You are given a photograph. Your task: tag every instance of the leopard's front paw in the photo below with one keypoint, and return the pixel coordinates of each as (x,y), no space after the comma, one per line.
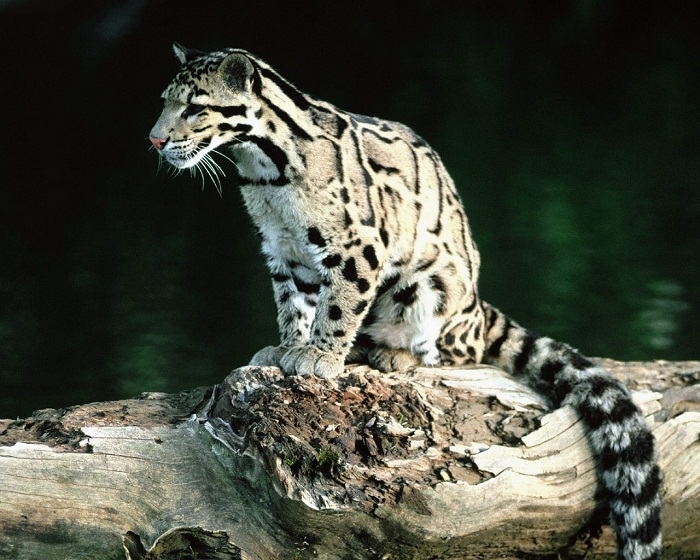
(269,356)
(309,360)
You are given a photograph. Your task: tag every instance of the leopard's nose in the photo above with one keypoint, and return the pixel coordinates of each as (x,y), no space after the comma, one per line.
(159,143)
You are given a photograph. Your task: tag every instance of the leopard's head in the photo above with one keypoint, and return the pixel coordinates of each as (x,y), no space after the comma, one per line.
(210,103)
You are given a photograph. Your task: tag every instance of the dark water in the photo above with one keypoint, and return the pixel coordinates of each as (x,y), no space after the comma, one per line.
(572,132)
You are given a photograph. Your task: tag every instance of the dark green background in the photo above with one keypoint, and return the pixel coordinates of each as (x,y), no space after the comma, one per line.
(571,130)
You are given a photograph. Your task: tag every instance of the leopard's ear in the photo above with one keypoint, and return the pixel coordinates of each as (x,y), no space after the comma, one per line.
(237,72)
(185,55)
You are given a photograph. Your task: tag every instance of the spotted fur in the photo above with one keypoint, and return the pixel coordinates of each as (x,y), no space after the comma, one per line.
(372,259)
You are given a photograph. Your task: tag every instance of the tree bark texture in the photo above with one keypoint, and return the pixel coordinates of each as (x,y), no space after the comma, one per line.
(431,463)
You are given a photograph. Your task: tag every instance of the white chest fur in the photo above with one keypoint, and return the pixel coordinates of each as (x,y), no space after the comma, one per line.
(281,217)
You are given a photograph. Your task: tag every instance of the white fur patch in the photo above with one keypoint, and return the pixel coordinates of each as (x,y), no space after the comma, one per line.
(253,163)
(414,327)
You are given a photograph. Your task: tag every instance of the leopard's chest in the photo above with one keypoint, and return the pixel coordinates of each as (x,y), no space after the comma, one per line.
(282,221)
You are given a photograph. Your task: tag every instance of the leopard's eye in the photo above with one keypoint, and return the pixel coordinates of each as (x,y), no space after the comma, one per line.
(192,110)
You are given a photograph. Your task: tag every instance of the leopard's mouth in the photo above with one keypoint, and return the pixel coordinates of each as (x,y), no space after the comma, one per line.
(190,158)
(180,162)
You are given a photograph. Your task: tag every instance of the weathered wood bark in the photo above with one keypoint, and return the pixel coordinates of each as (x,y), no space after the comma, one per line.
(434,463)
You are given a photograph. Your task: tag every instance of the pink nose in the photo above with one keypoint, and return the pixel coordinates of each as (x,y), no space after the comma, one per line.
(159,143)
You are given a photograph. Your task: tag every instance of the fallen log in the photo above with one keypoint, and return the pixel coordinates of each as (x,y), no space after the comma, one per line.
(430,463)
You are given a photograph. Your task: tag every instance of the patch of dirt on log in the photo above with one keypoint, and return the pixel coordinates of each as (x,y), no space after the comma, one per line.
(375,439)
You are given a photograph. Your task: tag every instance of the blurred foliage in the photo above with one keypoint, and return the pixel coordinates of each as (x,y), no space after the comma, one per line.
(571,129)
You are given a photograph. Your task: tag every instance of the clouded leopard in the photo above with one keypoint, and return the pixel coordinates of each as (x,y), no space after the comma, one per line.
(372,259)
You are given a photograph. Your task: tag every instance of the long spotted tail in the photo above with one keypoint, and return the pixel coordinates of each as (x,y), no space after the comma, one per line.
(619,434)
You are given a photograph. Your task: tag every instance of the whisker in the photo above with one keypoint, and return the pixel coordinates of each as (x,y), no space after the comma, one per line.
(217,152)
(214,165)
(210,167)
(160,158)
(207,167)
(196,169)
